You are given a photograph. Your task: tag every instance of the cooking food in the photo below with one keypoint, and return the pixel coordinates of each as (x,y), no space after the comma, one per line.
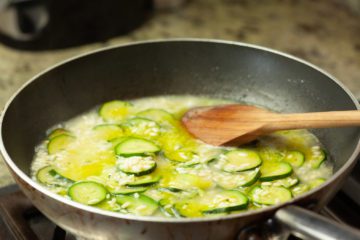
(135,157)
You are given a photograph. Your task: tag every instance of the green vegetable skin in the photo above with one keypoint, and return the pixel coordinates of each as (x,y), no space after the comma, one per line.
(160,169)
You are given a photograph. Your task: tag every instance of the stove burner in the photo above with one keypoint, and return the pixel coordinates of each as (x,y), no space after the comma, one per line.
(19,219)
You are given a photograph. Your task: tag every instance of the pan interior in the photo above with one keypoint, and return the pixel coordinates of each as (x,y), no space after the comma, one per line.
(219,70)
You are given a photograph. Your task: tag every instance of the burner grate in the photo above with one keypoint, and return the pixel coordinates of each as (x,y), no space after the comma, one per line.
(20,220)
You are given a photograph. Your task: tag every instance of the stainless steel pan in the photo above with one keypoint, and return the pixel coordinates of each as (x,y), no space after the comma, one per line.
(199,67)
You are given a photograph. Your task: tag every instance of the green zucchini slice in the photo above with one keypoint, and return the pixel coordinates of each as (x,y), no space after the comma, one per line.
(239,160)
(285,182)
(47,175)
(136,165)
(138,204)
(126,190)
(144,181)
(232,181)
(87,192)
(318,156)
(226,201)
(300,189)
(141,127)
(135,146)
(275,170)
(316,182)
(269,195)
(212,203)
(108,131)
(57,132)
(158,115)
(295,158)
(59,143)
(114,110)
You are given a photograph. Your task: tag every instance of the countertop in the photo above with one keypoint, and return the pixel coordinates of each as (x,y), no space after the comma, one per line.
(322,32)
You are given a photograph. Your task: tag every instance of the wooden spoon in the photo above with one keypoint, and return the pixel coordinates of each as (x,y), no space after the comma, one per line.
(238,124)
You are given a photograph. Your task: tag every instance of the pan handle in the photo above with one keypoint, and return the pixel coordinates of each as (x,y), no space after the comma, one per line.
(309,225)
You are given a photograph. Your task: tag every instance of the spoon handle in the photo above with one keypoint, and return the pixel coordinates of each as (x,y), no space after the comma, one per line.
(313,120)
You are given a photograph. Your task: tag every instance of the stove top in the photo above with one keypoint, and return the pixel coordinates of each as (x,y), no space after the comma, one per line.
(19,219)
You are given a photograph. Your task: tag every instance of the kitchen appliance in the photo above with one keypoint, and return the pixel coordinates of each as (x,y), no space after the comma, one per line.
(220,69)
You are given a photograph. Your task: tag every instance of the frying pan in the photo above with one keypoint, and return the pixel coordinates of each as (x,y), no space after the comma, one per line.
(220,69)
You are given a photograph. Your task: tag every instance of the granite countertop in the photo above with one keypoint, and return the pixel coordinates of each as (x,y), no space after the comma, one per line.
(323,32)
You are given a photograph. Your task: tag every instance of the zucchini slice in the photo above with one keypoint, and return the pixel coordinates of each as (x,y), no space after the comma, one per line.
(300,189)
(275,170)
(141,127)
(144,181)
(126,190)
(138,204)
(269,195)
(135,146)
(226,201)
(108,131)
(180,156)
(47,175)
(114,110)
(158,115)
(232,181)
(57,132)
(318,156)
(285,182)
(295,158)
(59,143)
(136,165)
(239,160)
(87,192)
(212,203)
(316,182)
(189,181)
(168,209)
(271,154)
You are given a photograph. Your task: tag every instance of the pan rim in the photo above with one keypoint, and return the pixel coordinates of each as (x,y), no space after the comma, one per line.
(13,167)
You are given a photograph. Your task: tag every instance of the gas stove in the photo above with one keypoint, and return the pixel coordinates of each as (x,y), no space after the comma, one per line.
(19,219)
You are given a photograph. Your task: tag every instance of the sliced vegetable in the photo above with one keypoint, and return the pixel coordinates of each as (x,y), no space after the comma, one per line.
(141,127)
(59,143)
(138,204)
(285,182)
(300,189)
(168,209)
(144,181)
(226,201)
(180,155)
(135,146)
(212,203)
(318,156)
(316,182)
(188,181)
(170,189)
(87,192)
(158,115)
(47,175)
(114,110)
(271,154)
(57,132)
(108,131)
(269,195)
(136,165)
(128,190)
(295,158)
(232,181)
(239,160)
(275,170)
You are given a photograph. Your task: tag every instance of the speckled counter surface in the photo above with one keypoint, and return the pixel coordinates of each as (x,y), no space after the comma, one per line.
(322,32)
